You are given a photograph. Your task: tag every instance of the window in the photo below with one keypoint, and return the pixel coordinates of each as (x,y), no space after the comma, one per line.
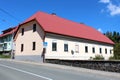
(9,37)
(100,50)
(65,47)
(22,31)
(22,46)
(77,48)
(86,49)
(110,51)
(93,50)
(105,51)
(34,27)
(54,46)
(5,45)
(34,45)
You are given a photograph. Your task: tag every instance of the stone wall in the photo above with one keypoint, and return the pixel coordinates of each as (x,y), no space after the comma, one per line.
(112,66)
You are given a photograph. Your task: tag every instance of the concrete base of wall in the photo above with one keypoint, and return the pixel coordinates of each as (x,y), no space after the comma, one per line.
(34,58)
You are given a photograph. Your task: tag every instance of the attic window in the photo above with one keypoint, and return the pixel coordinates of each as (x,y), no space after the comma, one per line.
(34,27)
(22,31)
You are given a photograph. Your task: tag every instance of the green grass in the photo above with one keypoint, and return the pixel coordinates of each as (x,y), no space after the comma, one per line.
(4,56)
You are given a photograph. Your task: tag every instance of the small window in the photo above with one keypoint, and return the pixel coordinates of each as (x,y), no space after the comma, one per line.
(77,48)
(86,49)
(110,51)
(93,50)
(54,46)
(22,46)
(105,51)
(5,45)
(66,47)
(34,45)
(22,31)
(100,50)
(34,27)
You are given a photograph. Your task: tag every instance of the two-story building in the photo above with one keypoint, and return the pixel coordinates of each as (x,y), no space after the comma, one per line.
(61,38)
(6,40)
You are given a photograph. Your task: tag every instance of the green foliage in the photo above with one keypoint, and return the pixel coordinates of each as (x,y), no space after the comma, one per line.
(115,37)
(91,58)
(117,51)
(98,57)
(111,58)
(4,56)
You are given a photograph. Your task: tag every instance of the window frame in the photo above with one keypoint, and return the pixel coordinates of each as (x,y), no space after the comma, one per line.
(110,51)
(22,31)
(54,46)
(34,28)
(76,48)
(65,47)
(86,49)
(100,50)
(105,50)
(34,46)
(22,47)
(93,49)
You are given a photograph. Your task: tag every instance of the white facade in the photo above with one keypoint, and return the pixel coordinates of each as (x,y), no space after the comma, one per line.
(77,46)
(74,47)
(6,43)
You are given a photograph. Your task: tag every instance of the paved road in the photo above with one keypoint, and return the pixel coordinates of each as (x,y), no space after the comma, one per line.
(11,70)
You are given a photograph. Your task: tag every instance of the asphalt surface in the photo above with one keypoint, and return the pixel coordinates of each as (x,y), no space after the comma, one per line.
(15,70)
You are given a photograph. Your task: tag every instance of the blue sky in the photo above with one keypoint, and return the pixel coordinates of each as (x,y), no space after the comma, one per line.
(103,15)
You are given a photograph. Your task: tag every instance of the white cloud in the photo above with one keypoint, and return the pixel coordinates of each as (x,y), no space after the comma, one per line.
(102,11)
(100,30)
(113,9)
(104,1)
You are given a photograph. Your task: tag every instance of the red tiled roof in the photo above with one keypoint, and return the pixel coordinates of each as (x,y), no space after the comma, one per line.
(55,24)
(13,30)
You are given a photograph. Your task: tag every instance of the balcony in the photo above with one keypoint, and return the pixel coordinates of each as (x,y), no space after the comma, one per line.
(6,46)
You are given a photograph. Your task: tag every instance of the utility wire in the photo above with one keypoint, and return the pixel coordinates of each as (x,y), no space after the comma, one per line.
(9,14)
(3,20)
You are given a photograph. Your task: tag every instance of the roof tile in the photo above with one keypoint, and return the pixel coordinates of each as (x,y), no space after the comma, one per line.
(58,25)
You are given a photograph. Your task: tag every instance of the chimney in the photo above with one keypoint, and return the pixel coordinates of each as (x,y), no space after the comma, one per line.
(54,14)
(82,23)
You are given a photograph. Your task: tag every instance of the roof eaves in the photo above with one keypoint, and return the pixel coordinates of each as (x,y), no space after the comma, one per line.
(112,43)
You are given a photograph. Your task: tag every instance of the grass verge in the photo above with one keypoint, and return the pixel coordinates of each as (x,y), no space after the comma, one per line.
(4,56)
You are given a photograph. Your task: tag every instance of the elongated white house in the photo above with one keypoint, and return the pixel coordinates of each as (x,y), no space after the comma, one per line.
(62,38)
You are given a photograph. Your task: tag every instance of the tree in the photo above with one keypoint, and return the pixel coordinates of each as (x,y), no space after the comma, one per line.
(117,51)
(115,37)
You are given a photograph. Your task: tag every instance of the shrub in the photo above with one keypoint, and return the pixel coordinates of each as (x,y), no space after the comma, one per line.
(111,58)
(91,58)
(117,51)
(98,57)
(4,56)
